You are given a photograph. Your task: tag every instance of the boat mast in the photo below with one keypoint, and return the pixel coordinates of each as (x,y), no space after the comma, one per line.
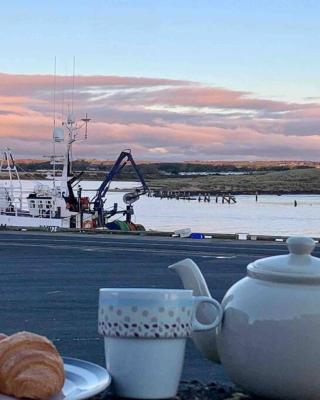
(72,129)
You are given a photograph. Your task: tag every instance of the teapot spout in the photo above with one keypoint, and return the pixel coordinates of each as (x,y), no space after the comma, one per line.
(193,279)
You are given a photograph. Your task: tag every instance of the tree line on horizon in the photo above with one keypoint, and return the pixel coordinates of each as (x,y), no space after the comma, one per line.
(167,169)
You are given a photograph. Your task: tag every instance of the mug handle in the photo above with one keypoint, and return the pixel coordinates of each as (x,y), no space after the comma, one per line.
(198,326)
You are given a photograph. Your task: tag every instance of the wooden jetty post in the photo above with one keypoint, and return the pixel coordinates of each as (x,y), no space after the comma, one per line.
(228,198)
(183,195)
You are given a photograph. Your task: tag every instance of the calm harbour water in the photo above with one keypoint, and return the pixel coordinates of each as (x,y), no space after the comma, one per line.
(271,215)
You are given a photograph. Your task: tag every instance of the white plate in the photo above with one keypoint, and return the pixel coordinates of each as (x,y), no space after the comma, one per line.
(83,380)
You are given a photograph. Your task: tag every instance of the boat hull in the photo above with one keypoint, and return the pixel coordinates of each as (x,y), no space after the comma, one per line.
(33,222)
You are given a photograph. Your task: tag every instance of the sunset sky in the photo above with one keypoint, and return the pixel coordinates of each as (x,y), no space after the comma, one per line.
(173,80)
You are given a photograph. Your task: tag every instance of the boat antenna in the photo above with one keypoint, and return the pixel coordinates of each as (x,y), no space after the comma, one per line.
(54,90)
(73,75)
(54,121)
(63,92)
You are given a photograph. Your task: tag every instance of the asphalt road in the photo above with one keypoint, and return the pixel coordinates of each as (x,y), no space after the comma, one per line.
(49,282)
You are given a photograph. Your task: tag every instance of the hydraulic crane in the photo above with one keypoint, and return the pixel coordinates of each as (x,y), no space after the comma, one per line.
(129,198)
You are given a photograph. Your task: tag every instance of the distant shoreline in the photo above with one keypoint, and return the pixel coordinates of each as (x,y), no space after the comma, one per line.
(289,182)
(297,181)
(247,193)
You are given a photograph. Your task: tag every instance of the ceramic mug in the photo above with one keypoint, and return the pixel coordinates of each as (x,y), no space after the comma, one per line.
(145,332)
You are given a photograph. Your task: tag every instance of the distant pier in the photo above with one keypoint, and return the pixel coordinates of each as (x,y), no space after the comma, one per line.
(195,196)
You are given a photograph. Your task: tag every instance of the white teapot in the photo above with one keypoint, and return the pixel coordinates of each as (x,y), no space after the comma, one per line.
(269,337)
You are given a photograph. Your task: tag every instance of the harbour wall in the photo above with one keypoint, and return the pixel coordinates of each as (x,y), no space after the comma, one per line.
(206,235)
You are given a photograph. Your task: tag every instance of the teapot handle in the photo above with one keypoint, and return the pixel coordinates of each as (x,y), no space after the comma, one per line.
(197,325)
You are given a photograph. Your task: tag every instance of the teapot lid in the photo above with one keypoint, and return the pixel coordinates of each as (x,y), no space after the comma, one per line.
(296,267)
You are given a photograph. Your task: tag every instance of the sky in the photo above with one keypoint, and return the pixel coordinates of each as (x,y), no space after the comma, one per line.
(172,80)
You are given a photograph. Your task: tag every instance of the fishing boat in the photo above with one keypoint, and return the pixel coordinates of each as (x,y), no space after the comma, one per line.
(53,205)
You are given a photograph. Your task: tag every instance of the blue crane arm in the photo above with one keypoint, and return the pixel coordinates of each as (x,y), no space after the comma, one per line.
(124,157)
(140,176)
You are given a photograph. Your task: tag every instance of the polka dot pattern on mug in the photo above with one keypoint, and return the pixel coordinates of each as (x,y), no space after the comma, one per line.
(142,322)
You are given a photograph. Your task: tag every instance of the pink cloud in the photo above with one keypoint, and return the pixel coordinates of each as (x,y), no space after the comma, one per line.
(158,118)
(15,84)
(213,97)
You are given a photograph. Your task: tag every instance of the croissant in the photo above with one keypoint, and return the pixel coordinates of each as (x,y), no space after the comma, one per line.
(30,366)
